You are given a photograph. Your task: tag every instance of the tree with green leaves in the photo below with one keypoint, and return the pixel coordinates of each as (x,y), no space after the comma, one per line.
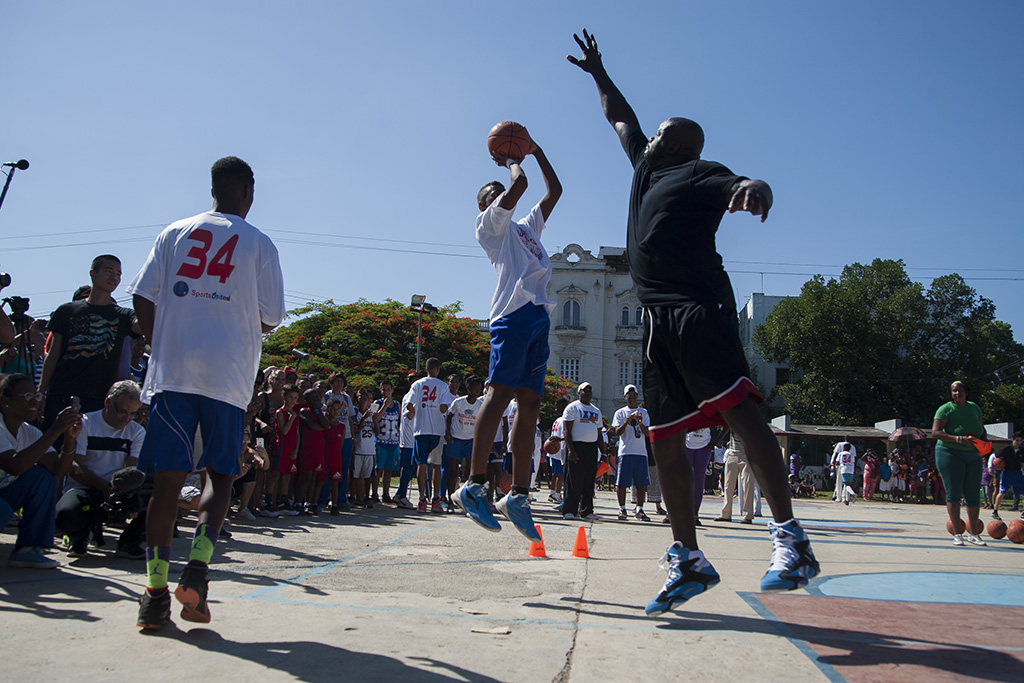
(873,345)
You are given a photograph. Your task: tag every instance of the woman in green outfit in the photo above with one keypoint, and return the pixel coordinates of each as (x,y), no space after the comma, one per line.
(958,460)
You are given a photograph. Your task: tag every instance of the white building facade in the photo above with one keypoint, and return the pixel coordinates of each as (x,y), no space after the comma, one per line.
(596,328)
(766,375)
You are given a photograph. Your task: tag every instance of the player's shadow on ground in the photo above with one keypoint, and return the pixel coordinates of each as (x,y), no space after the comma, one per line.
(320,662)
(61,595)
(857,648)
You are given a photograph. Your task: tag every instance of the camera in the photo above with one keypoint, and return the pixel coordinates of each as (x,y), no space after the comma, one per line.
(5,280)
(17,304)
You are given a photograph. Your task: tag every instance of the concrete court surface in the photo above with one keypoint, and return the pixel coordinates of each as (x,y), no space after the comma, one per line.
(391,595)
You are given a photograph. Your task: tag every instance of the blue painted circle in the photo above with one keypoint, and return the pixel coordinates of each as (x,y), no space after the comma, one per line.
(935,587)
(180,288)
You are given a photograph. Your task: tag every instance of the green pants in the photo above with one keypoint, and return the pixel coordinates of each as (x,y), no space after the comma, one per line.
(961,474)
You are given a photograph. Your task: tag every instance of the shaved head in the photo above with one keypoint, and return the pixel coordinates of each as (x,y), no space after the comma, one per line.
(677,141)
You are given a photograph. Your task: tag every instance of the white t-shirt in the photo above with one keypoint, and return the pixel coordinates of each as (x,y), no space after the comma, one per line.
(214,278)
(522,264)
(364,442)
(464,417)
(586,421)
(407,437)
(631,440)
(27,435)
(698,438)
(429,395)
(845,456)
(719,454)
(556,432)
(105,448)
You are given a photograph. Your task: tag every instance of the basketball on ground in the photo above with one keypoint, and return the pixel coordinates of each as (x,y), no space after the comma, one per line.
(961,526)
(509,139)
(979,526)
(1015,531)
(997,529)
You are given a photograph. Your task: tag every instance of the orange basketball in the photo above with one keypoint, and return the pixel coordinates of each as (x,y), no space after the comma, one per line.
(1015,531)
(979,526)
(998,464)
(552,446)
(961,527)
(997,529)
(509,139)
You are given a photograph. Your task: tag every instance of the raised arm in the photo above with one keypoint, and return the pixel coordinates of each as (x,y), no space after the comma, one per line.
(751,195)
(554,188)
(516,186)
(616,108)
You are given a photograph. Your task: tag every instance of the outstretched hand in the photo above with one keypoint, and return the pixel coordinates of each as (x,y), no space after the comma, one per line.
(752,195)
(591,61)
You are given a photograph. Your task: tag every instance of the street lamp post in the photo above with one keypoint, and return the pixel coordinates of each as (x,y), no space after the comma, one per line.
(419,304)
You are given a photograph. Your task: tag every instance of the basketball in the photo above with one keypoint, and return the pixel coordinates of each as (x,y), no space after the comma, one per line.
(997,529)
(552,446)
(509,139)
(979,526)
(962,527)
(1015,531)
(998,464)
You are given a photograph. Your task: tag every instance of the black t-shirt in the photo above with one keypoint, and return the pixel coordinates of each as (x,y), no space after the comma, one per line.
(90,353)
(670,241)
(1011,458)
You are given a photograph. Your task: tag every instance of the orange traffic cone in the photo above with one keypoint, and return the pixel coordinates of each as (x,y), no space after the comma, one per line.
(537,549)
(580,547)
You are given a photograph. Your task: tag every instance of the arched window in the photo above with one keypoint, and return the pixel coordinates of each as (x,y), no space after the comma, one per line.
(639,316)
(624,316)
(571,314)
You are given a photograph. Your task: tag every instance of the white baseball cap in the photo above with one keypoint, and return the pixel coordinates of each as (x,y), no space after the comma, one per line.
(629,388)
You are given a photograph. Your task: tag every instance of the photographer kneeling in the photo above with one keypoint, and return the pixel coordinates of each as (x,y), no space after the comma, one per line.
(110,441)
(31,468)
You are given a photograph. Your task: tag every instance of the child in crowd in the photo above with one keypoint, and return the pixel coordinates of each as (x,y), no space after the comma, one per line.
(458,437)
(311,451)
(287,419)
(386,420)
(364,450)
(334,439)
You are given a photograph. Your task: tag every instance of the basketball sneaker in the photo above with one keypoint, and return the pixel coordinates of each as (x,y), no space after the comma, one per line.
(191,593)
(958,539)
(793,563)
(154,610)
(472,498)
(516,508)
(422,505)
(689,574)
(974,539)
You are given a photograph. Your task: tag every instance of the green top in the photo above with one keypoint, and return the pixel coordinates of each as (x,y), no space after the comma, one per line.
(961,421)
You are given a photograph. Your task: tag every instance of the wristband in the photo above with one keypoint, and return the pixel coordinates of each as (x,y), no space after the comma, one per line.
(509,161)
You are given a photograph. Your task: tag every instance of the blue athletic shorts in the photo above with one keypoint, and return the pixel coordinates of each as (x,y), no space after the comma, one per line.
(847,478)
(496,457)
(1014,480)
(388,458)
(557,466)
(631,470)
(424,444)
(519,348)
(170,436)
(460,449)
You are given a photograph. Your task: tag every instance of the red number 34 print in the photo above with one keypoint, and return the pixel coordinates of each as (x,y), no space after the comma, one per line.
(220,267)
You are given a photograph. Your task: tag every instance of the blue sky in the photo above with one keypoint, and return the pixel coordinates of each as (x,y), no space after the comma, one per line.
(886,129)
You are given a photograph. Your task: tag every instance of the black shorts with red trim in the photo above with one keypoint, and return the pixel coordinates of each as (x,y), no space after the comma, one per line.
(694,367)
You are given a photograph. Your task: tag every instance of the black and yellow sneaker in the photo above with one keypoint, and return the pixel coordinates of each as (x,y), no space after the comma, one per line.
(154,609)
(191,593)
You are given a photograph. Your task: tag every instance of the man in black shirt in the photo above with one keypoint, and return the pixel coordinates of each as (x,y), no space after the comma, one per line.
(695,371)
(1012,477)
(88,336)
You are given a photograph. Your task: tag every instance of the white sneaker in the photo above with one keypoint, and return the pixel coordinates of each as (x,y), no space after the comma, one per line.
(974,540)
(245,515)
(592,517)
(287,513)
(269,514)
(568,515)
(958,539)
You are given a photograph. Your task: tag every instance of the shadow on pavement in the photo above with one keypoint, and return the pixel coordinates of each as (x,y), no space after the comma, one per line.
(320,662)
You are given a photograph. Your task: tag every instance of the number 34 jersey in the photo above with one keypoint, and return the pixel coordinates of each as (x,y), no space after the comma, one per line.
(214,279)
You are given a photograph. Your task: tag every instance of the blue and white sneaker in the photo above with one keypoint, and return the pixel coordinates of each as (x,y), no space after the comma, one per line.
(793,563)
(689,574)
(516,508)
(473,499)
